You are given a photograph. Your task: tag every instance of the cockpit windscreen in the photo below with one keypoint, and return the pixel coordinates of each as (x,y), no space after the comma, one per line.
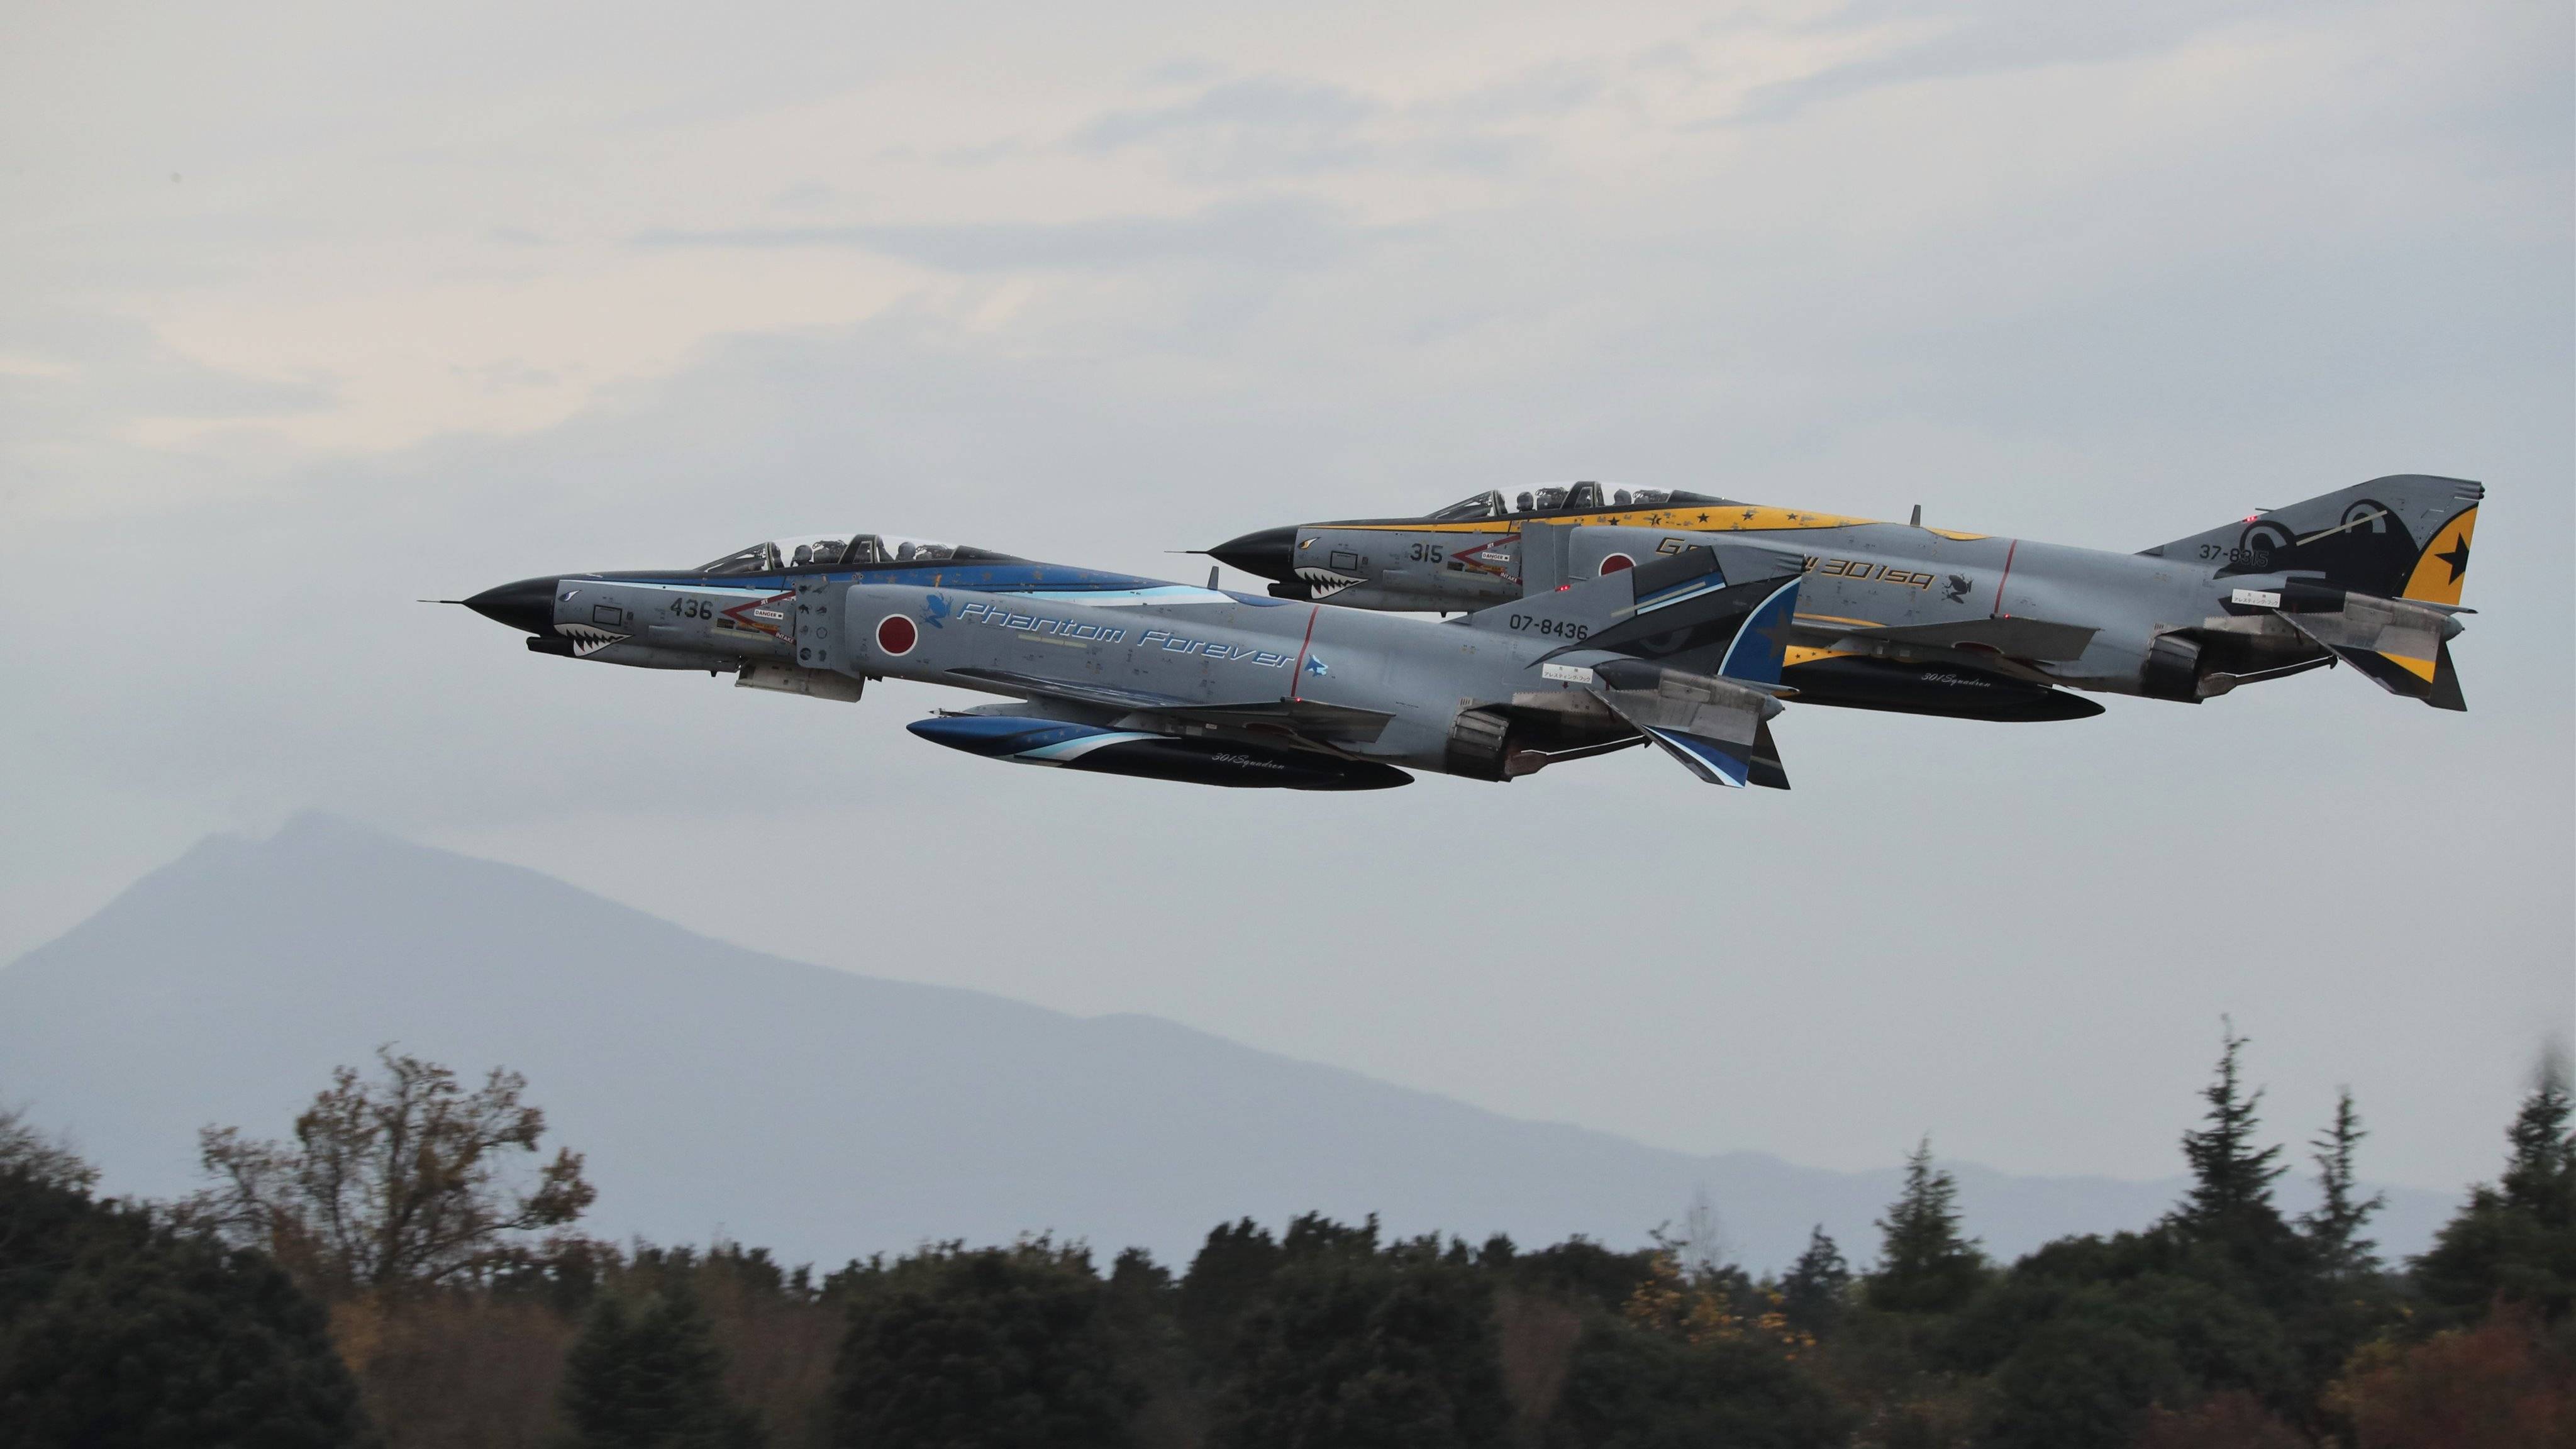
(1488,504)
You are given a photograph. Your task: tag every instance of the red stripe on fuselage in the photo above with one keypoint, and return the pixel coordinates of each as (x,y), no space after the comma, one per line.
(1297,685)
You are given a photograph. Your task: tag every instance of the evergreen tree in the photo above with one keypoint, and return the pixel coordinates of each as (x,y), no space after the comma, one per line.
(2540,1170)
(2334,1229)
(117,1331)
(1366,1351)
(999,1348)
(1231,1269)
(650,1376)
(32,1154)
(2516,1240)
(2231,1192)
(1583,1270)
(1811,1296)
(1313,1235)
(1629,1388)
(2084,1336)
(1924,1266)
(1139,1290)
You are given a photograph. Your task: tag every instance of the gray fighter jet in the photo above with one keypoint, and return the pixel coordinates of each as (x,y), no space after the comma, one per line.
(1936,621)
(1124,675)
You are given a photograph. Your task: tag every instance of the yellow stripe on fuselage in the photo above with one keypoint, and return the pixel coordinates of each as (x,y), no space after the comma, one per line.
(1695,518)
(2421,668)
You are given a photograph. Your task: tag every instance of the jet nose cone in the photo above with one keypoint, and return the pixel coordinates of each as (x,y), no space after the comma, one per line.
(528,604)
(1271,553)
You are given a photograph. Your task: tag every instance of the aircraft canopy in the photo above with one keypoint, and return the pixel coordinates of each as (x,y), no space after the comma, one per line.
(1586,497)
(837,550)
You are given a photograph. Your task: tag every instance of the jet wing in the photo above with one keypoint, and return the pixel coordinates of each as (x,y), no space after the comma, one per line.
(1321,724)
(2039,641)
(1108,696)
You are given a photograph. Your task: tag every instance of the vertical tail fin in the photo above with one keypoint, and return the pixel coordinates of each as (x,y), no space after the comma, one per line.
(2405,536)
(1679,609)
(1762,641)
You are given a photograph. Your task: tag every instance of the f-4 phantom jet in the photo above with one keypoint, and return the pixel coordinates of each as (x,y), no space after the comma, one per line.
(1118,674)
(1935,621)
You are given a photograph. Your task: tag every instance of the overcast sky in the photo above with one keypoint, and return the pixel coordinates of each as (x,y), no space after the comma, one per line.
(310,311)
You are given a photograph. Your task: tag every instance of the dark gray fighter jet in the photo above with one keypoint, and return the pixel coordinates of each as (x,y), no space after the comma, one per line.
(1941,622)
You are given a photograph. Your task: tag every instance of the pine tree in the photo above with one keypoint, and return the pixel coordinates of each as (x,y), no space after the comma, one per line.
(1229,1272)
(2231,1179)
(1924,1266)
(2334,1229)
(2540,1172)
(649,1376)
(1811,1296)
(1366,1350)
(117,1331)
(1004,1348)
(2516,1240)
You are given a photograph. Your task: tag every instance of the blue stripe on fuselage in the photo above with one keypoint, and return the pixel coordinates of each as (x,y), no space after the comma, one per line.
(982,578)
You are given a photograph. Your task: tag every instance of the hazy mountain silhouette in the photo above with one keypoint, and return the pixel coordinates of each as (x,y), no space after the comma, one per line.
(826,1114)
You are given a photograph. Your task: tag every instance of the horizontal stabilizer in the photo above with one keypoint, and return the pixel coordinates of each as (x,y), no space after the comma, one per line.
(1719,762)
(2402,647)
(2434,681)
(1717,728)
(1767,770)
(2446,682)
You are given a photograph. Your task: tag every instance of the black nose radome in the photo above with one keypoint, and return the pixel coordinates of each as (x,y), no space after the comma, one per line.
(1271,553)
(528,604)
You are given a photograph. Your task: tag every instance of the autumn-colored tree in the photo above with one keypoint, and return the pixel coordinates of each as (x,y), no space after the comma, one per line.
(401,1181)
(2231,1420)
(2501,1385)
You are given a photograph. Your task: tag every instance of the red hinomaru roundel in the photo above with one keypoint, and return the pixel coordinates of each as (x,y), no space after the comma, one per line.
(1616,563)
(896,634)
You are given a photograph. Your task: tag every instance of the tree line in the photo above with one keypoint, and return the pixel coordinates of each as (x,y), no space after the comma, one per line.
(407,1269)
